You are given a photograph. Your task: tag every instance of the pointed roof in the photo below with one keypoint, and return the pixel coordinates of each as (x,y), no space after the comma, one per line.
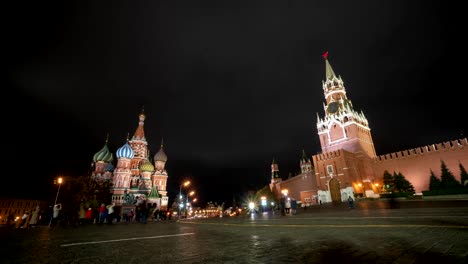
(304,156)
(274,161)
(329,73)
(140,132)
(154,192)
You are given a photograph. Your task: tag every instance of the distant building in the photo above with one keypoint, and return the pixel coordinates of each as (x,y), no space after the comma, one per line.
(18,207)
(135,177)
(349,164)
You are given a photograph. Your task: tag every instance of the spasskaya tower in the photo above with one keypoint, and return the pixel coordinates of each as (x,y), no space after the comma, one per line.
(342,127)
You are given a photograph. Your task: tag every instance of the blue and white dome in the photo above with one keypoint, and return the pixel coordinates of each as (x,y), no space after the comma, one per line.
(125,152)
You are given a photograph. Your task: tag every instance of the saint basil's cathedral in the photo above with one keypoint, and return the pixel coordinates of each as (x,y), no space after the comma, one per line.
(135,178)
(349,164)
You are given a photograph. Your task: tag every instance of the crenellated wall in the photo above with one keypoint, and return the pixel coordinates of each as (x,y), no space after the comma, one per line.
(414,152)
(415,164)
(328,155)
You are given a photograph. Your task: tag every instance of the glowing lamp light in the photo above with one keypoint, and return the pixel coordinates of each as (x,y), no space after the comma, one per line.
(251,205)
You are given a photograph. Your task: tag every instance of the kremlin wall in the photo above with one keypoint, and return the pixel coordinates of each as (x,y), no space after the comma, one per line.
(349,165)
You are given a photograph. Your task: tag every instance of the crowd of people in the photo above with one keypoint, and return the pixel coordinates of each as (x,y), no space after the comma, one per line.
(288,205)
(84,215)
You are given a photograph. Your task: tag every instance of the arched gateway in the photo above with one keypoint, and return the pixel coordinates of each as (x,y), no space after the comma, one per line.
(335,193)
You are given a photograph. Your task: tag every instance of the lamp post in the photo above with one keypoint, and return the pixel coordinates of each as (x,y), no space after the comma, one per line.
(187,203)
(263,202)
(187,183)
(59,182)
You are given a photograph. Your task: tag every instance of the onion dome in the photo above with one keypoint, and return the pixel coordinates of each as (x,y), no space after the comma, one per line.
(109,167)
(147,166)
(125,152)
(160,156)
(104,154)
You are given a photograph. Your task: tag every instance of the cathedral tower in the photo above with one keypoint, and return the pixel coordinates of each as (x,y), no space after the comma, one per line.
(139,145)
(159,177)
(122,173)
(305,163)
(102,161)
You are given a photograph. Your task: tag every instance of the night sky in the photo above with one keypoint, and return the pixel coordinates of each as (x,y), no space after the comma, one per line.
(228,87)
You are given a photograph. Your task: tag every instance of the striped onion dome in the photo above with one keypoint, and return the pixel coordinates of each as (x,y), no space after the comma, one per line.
(147,166)
(109,167)
(103,155)
(125,152)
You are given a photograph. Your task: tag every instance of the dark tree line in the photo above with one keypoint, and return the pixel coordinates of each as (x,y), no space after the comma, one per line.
(396,183)
(447,181)
(84,190)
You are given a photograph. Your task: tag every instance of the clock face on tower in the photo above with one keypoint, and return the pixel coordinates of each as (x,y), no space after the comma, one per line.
(332,107)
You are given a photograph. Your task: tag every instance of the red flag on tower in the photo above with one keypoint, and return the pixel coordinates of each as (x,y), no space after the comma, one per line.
(325,55)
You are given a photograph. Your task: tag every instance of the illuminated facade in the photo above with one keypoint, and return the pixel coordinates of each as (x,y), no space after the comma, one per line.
(135,177)
(17,207)
(349,164)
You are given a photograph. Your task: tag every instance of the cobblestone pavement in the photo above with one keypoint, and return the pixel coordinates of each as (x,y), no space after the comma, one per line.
(417,232)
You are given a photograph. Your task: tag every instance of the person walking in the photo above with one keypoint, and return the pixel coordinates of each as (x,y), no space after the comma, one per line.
(110,213)
(287,206)
(24,219)
(82,215)
(144,213)
(282,205)
(56,214)
(34,217)
(102,213)
(350,202)
(131,215)
(293,206)
(89,216)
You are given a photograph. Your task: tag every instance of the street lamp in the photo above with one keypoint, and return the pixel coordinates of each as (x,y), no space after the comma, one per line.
(187,203)
(263,202)
(285,192)
(59,182)
(185,184)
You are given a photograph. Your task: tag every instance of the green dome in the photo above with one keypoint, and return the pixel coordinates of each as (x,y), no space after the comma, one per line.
(147,166)
(103,155)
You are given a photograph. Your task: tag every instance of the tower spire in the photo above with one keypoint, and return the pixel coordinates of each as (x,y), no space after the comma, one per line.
(328,68)
(304,156)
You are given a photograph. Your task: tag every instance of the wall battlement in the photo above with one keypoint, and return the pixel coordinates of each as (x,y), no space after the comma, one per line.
(328,155)
(457,144)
